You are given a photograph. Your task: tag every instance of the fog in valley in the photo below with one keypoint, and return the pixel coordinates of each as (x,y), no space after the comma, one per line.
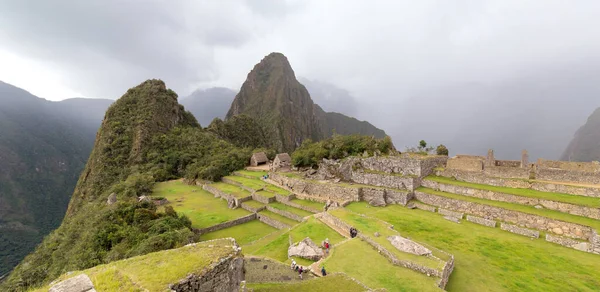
(473,75)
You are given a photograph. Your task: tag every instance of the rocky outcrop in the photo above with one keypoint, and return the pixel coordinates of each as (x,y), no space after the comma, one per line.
(407,245)
(81,283)
(305,249)
(111,199)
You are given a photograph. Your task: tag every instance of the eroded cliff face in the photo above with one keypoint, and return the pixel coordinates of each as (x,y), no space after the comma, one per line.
(585,145)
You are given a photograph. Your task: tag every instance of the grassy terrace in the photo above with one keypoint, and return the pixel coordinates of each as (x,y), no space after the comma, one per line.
(200,206)
(325,284)
(521,208)
(490,259)
(369,226)
(256,174)
(254,204)
(231,189)
(255,184)
(275,246)
(290,209)
(244,233)
(266,194)
(308,203)
(557,197)
(140,273)
(360,261)
(278,217)
(277,190)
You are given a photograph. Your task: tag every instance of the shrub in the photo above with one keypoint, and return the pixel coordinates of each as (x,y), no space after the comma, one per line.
(441,150)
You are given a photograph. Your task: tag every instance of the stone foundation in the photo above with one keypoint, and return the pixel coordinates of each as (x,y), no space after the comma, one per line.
(446,272)
(272,222)
(423,206)
(481,221)
(227,224)
(385,180)
(252,209)
(519,230)
(265,200)
(224,276)
(450,213)
(568,242)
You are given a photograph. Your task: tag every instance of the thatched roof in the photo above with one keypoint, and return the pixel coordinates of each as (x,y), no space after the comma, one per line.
(283,157)
(260,157)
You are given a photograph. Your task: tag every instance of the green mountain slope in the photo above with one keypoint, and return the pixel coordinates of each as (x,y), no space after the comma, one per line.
(145,136)
(273,96)
(585,145)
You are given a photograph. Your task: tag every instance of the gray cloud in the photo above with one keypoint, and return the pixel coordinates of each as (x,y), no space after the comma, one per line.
(470,74)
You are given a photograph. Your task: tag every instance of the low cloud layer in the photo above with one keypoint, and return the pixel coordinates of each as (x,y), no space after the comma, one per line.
(472,74)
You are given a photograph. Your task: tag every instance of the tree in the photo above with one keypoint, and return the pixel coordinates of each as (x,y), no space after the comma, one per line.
(422,144)
(441,150)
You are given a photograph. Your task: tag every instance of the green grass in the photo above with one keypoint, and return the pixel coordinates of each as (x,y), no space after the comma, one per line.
(253,247)
(275,271)
(317,231)
(254,204)
(360,261)
(234,190)
(307,203)
(255,184)
(244,233)
(266,194)
(283,207)
(275,248)
(323,284)
(154,271)
(557,197)
(279,218)
(277,190)
(368,226)
(521,208)
(490,259)
(256,174)
(200,206)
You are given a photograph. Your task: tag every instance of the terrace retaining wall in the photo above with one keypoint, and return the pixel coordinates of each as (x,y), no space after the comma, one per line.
(522,219)
(446,272)
(227,224)
(519,230)
(305,208)
(262,199)
(385,180)
(252,209)
(450,213)
(269,221)
(567,176)
(481,221)
(584,211)
(336,223)
(326,191)
(285,214)
(239,184)
(223,276)
(423,206)
(568,242)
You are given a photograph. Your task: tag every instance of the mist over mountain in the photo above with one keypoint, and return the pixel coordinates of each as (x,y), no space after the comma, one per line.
(209,103)
(330,97)
(585,145)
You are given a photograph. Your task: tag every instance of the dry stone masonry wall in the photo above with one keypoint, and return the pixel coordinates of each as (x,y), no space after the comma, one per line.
(481,221)
(568,242)
(285,214)
(450,213)
(270,221)
(519,230)
(227,224)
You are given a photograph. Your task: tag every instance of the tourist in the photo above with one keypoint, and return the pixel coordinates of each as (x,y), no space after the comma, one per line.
(323,272)
(327,247)
(293,264)
(300,273)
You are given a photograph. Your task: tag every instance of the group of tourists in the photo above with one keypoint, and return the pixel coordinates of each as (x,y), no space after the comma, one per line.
(266,176)
(353,232)
(326,246)
(298,268)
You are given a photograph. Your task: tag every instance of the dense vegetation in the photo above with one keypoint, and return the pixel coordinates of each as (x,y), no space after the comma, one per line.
(146,136)
(242,131)
(337,147)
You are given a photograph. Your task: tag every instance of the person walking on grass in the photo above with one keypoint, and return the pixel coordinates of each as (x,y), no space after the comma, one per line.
(293,264)
(300,272)
(323,272)
(326,247)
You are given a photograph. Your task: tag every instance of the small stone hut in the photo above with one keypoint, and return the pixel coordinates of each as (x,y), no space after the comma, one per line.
(258,159)
(282,160)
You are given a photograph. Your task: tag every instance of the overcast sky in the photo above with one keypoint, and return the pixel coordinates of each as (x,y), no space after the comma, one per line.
(384,53)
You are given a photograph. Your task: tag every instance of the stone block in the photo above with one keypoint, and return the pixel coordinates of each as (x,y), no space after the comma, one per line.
(450,213)
(80,283)
(453,219)
(520,230)
(481,221)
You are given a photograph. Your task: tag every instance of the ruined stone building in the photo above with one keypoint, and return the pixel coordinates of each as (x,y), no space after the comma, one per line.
(258,158)
(282,161)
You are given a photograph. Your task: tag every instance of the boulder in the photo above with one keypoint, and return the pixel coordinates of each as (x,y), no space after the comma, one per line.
(377,201)
(81,283)
(232,203)
(112,199)
(144,199)
(407,245)
(305,249)
(377,234)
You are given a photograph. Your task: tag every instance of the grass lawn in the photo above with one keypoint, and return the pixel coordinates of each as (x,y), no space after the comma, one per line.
(255,184)
(234,190)
(368,226)
(244,233)
(521,208)
(323,284)
(256,174)
(277,190)
(200,206)
(279,218)
(317,231)
(254,204)
(253,247)
(557,197)
(360,261)
(266,194)
(283,207)
(490,259)
(154,271)
(308,203)
(275,271)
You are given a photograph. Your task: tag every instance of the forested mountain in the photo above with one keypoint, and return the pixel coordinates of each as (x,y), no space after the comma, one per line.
(43,147)
(585,145)
(273,96)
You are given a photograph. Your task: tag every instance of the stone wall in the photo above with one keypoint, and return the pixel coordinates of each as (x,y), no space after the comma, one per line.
(424,207)
(285,214)
(405,165)
(480,178)
(334,222)
(241,185)
(224,276)
(252,209)
(481,221)
(446,272)
(385,180)
(465,164)
(326,191)
(375,197)
(595,242)
(552,174)
(507,172)
(593,167)
(227,224)
(265,200)
(522,219)
(450,213)
(429,163)
(568,242)
(397,197)
(584,211)
(519,230)
(305,208)
(282,198)
(508,163)
(269,221)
